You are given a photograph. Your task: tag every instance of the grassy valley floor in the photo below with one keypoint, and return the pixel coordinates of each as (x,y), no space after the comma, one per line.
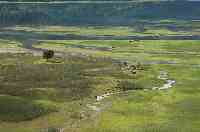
(36,95)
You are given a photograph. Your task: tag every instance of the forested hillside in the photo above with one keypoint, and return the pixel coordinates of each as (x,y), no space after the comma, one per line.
(96,14)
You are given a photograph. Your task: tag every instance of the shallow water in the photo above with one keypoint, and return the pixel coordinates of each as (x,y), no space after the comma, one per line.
(168,83)
(162,76)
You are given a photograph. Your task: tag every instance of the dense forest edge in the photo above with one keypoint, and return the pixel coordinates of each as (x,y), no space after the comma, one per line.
(97,14)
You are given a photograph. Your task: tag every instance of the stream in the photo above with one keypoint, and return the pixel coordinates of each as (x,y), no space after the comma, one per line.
(162,76)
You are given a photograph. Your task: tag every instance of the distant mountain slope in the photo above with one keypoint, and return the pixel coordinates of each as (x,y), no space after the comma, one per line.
(96,14)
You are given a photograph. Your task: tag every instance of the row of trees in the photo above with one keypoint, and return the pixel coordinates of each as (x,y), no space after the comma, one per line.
(97,14)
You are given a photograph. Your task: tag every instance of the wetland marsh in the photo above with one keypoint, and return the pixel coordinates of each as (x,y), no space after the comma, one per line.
(131,67)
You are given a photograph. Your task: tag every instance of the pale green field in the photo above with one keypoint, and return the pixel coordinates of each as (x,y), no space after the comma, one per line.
(9,44)
(177,51)
(105,30)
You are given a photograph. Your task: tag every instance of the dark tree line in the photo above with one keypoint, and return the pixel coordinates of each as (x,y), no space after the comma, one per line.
(96,14)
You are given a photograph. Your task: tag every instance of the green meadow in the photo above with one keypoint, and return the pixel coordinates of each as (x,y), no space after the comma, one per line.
(140,29)
(100,66)
(60,94)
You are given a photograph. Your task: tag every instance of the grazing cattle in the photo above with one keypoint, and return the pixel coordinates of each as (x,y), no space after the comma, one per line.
(132,67)
(139,66)
(112,47)
(130,41)
(133,72)
(125,63)
(135,40)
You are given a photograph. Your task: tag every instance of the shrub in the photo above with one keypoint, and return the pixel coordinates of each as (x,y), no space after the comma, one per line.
(126,85)
(48,54)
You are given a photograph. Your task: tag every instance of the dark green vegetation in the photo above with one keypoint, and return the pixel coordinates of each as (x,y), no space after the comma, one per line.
(15,108)
(97,14)
(48,54)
